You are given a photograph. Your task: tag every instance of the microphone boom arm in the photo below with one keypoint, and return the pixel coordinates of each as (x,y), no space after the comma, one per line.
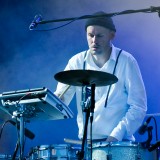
(147,10)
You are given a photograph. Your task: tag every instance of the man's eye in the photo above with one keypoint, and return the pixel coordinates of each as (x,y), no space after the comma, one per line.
(91,35)
(99,35)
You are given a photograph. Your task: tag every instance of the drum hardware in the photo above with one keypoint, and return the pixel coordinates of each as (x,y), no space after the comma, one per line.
(154,146)
(86,78)
(55,151)
(33,104)
(27,132)
(138,154)
(147,144)
(16,150)
(109,157)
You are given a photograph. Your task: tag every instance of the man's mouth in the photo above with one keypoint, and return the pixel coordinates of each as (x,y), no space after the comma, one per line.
(95,47)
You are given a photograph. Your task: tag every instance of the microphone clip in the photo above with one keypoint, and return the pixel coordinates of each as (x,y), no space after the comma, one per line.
(35,22)
(147,143)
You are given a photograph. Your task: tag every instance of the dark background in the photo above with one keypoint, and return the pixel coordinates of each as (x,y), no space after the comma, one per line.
(30,59)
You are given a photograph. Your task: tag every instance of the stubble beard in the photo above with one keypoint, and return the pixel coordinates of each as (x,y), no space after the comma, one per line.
(93,52)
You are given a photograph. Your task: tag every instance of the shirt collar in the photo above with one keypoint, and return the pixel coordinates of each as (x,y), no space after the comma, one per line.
(113,53)
(112,57)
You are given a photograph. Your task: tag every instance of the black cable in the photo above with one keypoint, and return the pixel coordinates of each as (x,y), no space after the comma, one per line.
(156,131)
(3,125)
(156,128)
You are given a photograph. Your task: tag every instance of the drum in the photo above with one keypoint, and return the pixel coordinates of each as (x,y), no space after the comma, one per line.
(7,157)
(121,151)
(53,152)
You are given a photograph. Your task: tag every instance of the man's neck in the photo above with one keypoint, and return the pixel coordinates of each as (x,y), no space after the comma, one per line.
(101,59)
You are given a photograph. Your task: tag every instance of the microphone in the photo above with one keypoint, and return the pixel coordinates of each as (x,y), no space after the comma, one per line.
(154,146)
(27,132)
(35,22)
(144,127)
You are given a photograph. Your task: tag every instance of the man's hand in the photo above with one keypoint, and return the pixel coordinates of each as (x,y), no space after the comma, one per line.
(111,139)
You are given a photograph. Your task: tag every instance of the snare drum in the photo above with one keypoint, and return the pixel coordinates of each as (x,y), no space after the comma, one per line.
(121,151)
(53,152)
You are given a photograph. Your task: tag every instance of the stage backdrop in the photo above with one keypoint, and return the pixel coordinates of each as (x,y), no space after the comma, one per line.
(30,59)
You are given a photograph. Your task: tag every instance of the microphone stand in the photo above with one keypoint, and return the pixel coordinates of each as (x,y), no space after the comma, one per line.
(147,10)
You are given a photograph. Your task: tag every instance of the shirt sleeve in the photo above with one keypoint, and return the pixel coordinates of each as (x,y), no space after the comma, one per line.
(61,87)
(136,101)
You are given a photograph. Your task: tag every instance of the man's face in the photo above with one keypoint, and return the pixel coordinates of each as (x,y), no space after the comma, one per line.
(99,39)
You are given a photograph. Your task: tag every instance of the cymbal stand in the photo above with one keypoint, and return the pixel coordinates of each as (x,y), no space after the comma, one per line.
(93,86)
(20,114)
(88,110)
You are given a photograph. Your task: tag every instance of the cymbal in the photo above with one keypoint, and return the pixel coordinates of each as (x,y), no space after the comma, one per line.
(85,78)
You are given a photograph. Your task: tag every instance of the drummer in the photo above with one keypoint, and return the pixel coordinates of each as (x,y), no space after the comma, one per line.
(119,108)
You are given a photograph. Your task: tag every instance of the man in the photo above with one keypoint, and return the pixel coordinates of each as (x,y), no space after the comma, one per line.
(121,107)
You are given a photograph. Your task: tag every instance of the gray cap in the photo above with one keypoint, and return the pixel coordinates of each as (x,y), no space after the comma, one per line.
(103,21)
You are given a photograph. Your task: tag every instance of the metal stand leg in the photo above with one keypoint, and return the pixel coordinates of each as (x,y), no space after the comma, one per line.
(21,137)
(20,114)
(16,150)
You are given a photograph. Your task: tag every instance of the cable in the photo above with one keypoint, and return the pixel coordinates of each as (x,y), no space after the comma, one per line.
(3,125)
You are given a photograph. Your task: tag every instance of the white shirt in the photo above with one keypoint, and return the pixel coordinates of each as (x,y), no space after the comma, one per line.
(126,105)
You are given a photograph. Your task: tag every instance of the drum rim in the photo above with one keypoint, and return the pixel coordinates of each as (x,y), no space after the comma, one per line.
(124,143)
(115,144)
(51,145)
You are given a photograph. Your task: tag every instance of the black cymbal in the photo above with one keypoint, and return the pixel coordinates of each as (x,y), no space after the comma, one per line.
(85,78)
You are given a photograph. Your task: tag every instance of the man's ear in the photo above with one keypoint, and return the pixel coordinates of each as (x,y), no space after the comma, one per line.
(112,35)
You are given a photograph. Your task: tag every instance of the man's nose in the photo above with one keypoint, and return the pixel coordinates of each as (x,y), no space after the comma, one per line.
(94,39)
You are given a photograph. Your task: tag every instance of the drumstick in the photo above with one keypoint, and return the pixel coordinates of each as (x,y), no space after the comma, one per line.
(60,96)
(72,141)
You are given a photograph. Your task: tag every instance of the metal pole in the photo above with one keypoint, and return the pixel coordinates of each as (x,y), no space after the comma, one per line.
(21,131)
